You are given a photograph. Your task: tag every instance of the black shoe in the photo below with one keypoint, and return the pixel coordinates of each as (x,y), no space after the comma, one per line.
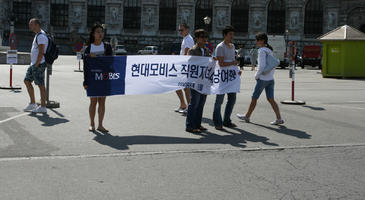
(230,125)
(190,130)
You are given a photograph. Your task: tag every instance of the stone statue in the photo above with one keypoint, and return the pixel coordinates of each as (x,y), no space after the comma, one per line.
(76,13)
(294,20)
(114,13)
(185,16)
(257,19)
(221,18)
(150,14)
(41,10)
(332,20)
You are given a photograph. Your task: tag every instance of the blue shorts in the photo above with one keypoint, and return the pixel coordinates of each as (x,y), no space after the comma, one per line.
(36,74)
(261,85)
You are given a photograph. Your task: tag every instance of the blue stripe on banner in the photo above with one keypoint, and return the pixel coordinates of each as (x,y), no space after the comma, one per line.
(106,75)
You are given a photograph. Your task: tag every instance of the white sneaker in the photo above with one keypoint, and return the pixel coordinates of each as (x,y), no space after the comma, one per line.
(40,109)
(277,122)
(183,111)
(30,107)
(243,117)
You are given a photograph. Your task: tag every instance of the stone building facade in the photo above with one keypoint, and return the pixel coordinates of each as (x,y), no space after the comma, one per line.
(137,23)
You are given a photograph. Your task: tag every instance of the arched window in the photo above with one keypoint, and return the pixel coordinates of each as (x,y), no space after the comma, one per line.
(313,17)
(59,13)
(95,12)
(22,11)
(132,14)
(276,17)
(203,8)
(239,15)
(168,10)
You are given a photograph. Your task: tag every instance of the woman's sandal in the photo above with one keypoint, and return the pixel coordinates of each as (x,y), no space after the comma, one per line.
(102,129)
(91,128)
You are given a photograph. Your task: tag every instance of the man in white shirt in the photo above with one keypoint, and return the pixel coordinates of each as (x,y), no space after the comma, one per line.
(186,44)
(37,68)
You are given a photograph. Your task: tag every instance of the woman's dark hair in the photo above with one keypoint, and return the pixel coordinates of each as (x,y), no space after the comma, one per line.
(93,29)
(263,36)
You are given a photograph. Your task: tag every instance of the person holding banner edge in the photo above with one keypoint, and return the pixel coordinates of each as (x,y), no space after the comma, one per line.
(264,81)
(186,44)
(196,106)
(96,47)
(225,54)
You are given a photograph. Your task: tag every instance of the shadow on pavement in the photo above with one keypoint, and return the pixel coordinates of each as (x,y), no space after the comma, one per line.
(234,139)
(314,108)
(287,131)
(49,121)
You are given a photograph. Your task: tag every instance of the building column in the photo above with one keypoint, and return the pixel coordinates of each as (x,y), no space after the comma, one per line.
(295,19)
(221,16)
(41,10)
(257,18)
(114,16)
(331,10)
(185,14)
(77,16)
(3,21)
(150,17)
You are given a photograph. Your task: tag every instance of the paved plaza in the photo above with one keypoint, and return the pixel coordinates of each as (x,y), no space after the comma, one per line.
(319,153)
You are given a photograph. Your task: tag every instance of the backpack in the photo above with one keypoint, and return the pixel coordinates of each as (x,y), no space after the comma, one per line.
(271,63)
(52,50)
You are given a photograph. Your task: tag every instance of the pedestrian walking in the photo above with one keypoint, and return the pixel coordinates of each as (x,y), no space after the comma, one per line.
(35,71)
(253,57)
(186,44)
(241,56)
(96,47)
(225,53)
(196,106)
(263,81)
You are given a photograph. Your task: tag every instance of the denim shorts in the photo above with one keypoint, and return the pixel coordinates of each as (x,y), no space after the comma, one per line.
(36,74)
(261,85)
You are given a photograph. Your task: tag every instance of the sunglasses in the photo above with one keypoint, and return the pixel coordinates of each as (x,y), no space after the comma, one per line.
(181,30)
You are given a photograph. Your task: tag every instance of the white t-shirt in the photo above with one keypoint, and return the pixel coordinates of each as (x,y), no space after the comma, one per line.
(224,51)
(41,39)
(187,42)
(98,50)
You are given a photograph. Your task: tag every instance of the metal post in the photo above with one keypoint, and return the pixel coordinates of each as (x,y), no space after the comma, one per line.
(292,76)
(50,104)
(11,75)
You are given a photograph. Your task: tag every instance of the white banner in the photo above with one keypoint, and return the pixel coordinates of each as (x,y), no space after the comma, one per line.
(166,73)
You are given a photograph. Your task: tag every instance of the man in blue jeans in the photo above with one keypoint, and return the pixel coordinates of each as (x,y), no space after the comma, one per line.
(196,106)
(225,54)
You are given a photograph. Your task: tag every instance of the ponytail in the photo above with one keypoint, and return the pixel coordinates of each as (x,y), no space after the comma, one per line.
(270,47)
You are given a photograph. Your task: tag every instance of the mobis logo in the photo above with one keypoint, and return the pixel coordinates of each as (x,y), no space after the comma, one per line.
(106,76)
